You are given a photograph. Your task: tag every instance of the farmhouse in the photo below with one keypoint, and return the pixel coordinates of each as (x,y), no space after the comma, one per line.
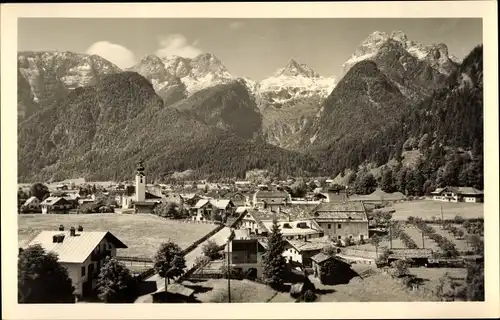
(342,220)
(32,204)
(81,252)
(55,205)
(210,209)
(458,194)
(245,254)
(272,200)
(301,251)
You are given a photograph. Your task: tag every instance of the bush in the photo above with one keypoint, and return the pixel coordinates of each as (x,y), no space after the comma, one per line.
(211,250)
(400,268)
(309,296)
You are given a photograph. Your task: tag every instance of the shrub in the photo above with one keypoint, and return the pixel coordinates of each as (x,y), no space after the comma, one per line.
(309,296)
(400,268)
(211,250)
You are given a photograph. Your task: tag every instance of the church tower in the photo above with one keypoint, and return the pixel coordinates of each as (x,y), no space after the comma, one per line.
(140,184)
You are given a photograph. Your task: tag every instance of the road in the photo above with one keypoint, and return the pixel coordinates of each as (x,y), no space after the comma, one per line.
(220,238)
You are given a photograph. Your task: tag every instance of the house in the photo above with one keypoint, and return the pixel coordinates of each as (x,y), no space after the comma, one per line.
(301,251)
(458,194)
(245,253)
(190,199)
(213,209)
(237,198)
(81,252)
(340,271)
(272,200)
(342,220)
(32,204)
(299,229)
(55,205)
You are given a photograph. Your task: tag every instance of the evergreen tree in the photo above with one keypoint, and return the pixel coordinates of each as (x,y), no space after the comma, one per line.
(41,278)
(273,260)
(387,182)
(475,282)
(115,283)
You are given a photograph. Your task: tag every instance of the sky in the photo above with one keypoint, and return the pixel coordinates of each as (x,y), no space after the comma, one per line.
(253,48)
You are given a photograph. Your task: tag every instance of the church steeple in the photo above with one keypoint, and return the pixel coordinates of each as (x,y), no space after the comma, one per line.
(140,168)
(140,183)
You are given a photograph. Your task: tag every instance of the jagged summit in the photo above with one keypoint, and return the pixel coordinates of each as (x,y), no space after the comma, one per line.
(294,69)
(378,42)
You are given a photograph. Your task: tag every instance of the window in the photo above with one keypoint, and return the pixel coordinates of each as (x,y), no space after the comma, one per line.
(83,271)
(329,226)
(110,246)
(340,237)
(339,226)
(350,236)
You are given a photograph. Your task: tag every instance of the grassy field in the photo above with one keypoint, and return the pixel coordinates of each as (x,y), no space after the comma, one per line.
(430,276)
(142,233)
(215,290)
(426,209)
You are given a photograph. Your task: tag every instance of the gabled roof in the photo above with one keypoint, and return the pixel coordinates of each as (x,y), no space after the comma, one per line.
(339,211)
(320,258)
(74,249)
(54,200)
(301,245)
(469,191)
(177,289)
(31,199)
(219,204)
(242,209)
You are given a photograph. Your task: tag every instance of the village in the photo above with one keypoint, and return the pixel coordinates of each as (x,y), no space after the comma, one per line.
(334,245)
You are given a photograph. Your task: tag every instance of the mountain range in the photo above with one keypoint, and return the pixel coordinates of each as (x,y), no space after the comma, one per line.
(178,113)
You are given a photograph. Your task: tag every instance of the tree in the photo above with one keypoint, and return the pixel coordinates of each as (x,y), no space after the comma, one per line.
(168,210)
(41,278)
(445,289)
(375,240)
(475,282)
(330,251)
(387,183)
(322,182)
(273,259)
(211,249)
(365,183)
(401,268)
(169,262)
(39,190)
(299,188)
(115,283)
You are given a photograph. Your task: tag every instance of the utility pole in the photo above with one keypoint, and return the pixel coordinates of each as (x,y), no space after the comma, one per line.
(423,241)
(390,234)
(442,217)
(228,271)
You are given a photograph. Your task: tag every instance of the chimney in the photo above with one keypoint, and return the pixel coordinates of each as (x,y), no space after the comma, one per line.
(61,227)
(80,228)
(72,232)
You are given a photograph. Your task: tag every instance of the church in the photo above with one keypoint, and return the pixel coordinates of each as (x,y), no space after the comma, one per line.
(136,197)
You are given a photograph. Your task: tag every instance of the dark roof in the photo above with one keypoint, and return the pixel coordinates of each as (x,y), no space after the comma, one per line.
(272,194)
(320,258)
(339,211)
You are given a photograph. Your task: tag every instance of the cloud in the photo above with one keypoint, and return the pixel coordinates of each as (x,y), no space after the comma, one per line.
(115,53)
(177,45)
(236,25)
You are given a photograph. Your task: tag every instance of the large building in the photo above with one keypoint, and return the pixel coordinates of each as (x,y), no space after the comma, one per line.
(342,220)
(82,253)
(458,194)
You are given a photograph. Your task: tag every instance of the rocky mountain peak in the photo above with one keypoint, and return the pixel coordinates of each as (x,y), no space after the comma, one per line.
(294,69)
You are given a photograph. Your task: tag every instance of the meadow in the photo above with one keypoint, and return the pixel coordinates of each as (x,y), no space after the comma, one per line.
(142,233)
(426,209)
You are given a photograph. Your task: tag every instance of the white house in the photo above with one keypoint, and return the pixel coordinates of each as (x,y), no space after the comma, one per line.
(82,253)
(301,251)
(458,194)
(298,229)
